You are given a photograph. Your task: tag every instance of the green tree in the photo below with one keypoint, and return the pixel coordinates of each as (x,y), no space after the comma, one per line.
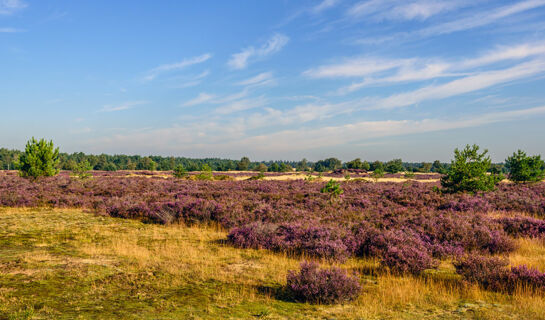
(377,165)
(243,164)
(40,158)
(394,166)
(355,164)
(179,171)
(333,188)
(261,167)
(81,170)
(206,173)
(302,165)
(523,168)
(468,172)
(146,163)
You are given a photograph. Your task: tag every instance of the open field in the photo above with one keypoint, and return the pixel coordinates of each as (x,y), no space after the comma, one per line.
(147,247)
(65,264)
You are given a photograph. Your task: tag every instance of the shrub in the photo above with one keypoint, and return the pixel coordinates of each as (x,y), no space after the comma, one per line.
(179,171)
(81,170)
(406,254)
(523,168)
(333,188)
(40,158)
(490,272)
(468,172)
(205,174)
(326,286)
(493,274)
(521,226)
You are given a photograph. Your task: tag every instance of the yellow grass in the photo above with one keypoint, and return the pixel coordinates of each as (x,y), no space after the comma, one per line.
(75,263)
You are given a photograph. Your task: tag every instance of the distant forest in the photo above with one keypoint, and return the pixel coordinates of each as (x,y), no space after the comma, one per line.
(8,160)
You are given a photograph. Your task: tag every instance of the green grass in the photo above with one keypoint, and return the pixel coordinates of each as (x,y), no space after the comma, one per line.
(68,264)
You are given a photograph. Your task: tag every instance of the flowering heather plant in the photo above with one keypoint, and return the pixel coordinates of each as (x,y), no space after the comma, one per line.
(325,286)
(374,219)
(520,226)
(490,272)
(493,273)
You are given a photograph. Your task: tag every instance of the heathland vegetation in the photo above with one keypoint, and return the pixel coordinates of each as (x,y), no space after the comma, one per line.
(467,240)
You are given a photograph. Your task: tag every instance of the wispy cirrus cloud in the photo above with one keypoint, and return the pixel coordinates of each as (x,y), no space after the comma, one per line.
(8,7)
(203,97)
(402,10)
(324,5)
(122,106)
(376,70)
(264,78)
(463,85)
(273,45)
(481,18)
(10,30)
(153,73)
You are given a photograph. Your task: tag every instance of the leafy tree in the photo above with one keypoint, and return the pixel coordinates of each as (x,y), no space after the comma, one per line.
(355,164)
(425,167)
(284,167)
(328,164)
(40,158)
(274,167)
(523,168)
(394,166)
(81,170)
(365,166)
(438,167)
(377,173)
(261,167)
(243,164)
(377,165)
(468,172)
(146,163)
(302,165)
(179,171)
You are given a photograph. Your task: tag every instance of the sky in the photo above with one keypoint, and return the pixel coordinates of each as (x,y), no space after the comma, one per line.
(274,80)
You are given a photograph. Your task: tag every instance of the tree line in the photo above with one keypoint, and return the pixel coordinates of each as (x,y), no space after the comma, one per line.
(105,162)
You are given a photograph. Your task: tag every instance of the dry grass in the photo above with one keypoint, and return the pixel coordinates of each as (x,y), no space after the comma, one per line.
(67,263)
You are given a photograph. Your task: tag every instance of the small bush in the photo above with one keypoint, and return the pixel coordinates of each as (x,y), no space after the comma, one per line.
(521,226)
(325,286)
(81,170)
(333,188)
(493,274)
(179,171)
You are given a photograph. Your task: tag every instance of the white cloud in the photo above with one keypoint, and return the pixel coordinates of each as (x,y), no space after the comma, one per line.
(203,97)
(355,67)
(242,59)
(382,70)
(230,138)
(242,105)
(9,30)
(324,5)
(506,53)
(153,73)
(261,79)
(8,7)
(463,85)
(481,19)
(402,10)
(123,106)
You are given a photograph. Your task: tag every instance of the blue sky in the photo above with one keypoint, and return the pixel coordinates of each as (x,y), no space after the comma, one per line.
(274,79)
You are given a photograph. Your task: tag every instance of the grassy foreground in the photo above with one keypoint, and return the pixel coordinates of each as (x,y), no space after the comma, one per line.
(66,264)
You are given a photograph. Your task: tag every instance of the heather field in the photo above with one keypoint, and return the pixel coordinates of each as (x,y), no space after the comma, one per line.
(147,245)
